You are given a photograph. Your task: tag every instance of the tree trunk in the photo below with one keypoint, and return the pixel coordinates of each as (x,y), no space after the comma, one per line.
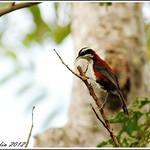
(117,33)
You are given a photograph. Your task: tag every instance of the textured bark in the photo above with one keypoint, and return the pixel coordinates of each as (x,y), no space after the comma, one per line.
(117,33)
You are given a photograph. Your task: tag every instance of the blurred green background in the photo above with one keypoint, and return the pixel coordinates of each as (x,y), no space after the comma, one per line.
(30,73)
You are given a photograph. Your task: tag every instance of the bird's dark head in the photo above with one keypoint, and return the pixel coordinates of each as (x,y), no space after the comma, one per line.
(86,53)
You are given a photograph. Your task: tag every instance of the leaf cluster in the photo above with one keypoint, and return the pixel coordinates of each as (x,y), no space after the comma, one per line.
(135,129)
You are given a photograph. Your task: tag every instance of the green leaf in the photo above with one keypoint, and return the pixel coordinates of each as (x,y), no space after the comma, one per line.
(128,141)
(56,8)
(105,143)
(141,101)
(119,118)
(42,29)
(135,128)
(59,33)
(11,54)
(144,102)
(56,32)
(132,124)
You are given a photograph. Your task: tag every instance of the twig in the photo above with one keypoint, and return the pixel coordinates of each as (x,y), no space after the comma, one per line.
(16,6)
(67,65)
(81,77)
(98,116)
(97,101)
(29,136)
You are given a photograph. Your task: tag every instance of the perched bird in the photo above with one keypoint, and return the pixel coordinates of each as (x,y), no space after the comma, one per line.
(104,75)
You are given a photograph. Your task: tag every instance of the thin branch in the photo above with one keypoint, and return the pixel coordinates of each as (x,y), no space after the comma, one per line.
(67,65)
(16,6)
(83,77)
(29,136)
(98,116)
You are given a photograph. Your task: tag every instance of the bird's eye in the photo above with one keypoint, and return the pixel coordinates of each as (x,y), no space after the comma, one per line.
(82,53)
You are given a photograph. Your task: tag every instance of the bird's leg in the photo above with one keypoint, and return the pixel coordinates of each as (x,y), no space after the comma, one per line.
(90,78)
(103,104)
(86,78)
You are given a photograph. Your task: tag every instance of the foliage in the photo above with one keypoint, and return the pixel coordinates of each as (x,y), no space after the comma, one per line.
(53,30)
(56,32)
(135,130)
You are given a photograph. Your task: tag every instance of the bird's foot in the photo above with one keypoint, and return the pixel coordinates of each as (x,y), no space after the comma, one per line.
(85,77)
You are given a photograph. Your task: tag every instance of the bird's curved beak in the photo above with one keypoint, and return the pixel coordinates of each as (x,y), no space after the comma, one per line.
(77,58)
(81,57)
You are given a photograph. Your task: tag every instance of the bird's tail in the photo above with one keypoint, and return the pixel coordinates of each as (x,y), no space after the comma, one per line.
(124,106)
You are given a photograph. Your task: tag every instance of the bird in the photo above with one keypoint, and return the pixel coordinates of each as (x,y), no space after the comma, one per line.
(104,76)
